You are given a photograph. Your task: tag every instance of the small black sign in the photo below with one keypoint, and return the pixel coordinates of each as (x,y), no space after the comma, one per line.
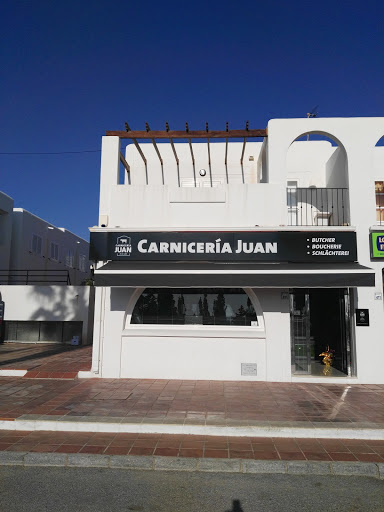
(290,246)
(362,317)
(1,311)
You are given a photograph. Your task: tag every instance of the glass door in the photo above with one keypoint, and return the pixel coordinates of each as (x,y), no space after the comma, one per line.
(345,338)
(300,332)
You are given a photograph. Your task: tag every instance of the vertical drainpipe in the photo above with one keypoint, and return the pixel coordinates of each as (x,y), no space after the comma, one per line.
(99,339)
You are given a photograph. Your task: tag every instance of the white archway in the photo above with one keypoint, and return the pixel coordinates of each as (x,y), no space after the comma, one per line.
(317,180)
(130,306)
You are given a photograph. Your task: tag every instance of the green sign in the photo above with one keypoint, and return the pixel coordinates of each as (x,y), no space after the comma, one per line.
(377,244)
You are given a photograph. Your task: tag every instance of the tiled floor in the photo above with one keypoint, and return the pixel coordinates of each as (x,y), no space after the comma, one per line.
(195,402)
(45,360)
(193,446)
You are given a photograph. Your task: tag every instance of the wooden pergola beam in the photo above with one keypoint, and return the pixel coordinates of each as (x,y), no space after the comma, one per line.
(174,152)
(124,162)
(190,147)
(154,144)
(243,150)
(127,128)
(245,141)
(174,134)
(139,150)
(226,144)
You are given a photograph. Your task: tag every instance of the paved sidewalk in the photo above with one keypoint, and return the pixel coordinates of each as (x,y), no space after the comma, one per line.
(192,404)
(262,421)
(256,448)
(45,360)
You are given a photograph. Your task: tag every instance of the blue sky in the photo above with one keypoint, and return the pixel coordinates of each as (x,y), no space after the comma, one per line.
(72,70)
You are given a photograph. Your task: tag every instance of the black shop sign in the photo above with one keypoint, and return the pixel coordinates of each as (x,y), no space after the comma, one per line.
(296,246)
(362,317)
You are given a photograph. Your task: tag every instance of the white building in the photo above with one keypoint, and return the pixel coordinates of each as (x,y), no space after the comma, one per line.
(6,209)
(55,252)
(42,269)
(242,261)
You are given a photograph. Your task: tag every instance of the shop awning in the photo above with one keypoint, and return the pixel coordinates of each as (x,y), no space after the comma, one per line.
(220,274)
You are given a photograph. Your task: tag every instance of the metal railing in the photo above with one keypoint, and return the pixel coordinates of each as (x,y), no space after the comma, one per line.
(318,206)
(31,277)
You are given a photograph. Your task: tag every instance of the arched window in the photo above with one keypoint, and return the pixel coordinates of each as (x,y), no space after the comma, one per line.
(194,306)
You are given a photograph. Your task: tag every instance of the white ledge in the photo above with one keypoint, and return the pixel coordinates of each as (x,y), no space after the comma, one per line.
(194,331)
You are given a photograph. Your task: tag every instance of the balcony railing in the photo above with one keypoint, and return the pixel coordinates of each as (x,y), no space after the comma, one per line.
(32,277)
(318,206)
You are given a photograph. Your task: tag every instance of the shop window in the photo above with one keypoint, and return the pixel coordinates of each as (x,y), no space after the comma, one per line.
(379,191)
(194,306)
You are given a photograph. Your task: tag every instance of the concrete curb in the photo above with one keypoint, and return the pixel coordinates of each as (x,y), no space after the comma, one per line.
(120,425)
(155,463)
(12,373)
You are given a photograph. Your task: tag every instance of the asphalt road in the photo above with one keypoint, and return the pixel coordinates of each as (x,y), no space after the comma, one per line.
(89,489)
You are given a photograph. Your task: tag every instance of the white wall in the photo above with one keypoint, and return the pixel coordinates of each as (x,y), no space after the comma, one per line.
(191,358)
(378,161)
(337,169)
(195,352)
(50,303)
(152,207)
(148,203)
(317,164)
(275,306)
(307,162)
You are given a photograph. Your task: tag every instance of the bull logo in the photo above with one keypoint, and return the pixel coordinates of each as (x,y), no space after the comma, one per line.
(123,246)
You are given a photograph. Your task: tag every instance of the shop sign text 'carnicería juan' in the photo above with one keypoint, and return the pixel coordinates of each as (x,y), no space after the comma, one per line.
(291,246)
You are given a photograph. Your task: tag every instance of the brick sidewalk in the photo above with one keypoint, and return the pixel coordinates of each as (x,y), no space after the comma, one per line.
(195,402)
(48,360)
(256,448)
(137,402)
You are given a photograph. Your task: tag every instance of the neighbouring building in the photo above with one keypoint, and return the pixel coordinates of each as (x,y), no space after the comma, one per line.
(242,254)
(43,270)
